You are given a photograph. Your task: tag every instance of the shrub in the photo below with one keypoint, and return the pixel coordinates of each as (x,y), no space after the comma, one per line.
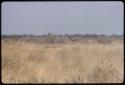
(49,38)
(104,73)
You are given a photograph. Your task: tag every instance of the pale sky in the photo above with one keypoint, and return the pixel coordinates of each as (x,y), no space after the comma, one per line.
(62,17)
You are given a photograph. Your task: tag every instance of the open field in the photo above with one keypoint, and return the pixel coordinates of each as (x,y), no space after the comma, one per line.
(70,62)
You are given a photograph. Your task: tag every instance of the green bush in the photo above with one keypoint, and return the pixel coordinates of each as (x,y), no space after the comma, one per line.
(50,38)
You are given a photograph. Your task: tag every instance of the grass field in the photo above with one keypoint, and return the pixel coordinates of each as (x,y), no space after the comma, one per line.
(93,62)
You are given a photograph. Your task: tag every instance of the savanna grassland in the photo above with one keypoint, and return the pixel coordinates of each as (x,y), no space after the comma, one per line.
(69,62)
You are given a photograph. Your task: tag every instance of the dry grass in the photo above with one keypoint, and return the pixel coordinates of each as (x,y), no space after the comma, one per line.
(24,62)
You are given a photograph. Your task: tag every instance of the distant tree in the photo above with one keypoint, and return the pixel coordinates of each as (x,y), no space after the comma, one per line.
(31,35)
(50,38)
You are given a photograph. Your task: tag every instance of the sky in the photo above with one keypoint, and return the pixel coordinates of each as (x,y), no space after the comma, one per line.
(62,17)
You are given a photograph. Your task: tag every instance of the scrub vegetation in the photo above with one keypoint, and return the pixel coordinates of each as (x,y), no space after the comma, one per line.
(62,58)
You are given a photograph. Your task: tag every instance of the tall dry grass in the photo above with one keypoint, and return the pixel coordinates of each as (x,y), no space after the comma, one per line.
(93,62)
